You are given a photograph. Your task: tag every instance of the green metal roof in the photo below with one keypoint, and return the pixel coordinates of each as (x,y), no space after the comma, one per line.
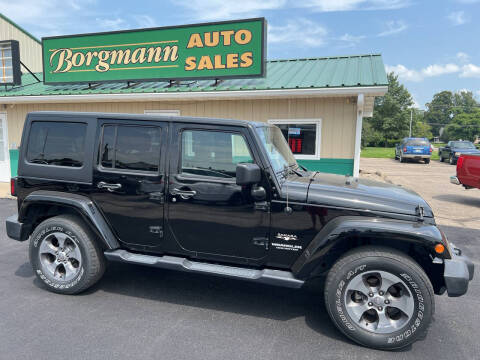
(19,28)
(327,72)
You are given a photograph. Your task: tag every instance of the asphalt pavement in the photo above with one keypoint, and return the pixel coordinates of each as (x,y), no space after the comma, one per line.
(137,312)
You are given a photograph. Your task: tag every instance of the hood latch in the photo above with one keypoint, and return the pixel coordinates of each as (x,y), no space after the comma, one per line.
(420,211)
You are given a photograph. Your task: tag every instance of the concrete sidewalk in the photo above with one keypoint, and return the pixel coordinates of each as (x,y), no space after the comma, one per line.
(5,190)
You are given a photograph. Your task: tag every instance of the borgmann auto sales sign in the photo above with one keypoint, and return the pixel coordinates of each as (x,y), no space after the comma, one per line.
(213,50)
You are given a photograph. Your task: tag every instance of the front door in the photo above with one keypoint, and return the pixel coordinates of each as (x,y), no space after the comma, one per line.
(209,215)
(128,181)
(4,155)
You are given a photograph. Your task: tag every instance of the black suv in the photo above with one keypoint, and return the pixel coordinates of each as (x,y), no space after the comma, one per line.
(227,198)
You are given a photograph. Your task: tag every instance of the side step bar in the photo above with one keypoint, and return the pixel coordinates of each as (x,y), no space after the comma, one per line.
(266,276)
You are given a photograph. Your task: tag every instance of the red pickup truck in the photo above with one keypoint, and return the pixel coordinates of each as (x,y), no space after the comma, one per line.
(468,172)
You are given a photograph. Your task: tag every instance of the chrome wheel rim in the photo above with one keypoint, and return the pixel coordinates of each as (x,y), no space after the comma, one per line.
(379,301)
(60,256)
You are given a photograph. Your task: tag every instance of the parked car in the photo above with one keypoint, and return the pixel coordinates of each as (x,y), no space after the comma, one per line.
(414,149)
(454,149)
(227,198)
(468,171)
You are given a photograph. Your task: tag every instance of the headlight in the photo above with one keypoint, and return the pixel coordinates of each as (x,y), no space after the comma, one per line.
(458,154)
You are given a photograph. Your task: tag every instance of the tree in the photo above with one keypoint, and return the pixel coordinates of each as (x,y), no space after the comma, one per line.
(465,126)
(439,111)
(391,115)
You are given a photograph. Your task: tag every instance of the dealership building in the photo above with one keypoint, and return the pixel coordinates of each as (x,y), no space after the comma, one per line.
(319,103)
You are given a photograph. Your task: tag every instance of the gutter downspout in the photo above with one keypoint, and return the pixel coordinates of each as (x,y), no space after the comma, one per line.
(358,135)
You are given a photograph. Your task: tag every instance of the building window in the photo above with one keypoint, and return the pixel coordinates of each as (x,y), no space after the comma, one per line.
(303,136)
(162,112)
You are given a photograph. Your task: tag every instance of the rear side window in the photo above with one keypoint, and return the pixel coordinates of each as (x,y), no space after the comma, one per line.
(126,147)
(57,143)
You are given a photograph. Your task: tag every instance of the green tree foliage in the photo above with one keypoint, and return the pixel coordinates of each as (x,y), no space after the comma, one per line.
(439,110)
(464,125)
(391,117)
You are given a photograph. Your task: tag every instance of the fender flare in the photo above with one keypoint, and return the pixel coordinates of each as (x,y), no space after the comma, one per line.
(344,227)
(82,204)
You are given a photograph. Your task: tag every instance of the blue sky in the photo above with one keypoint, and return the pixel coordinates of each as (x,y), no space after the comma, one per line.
(432,45)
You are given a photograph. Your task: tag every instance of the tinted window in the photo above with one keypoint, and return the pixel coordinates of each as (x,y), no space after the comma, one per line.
(57,143)
(213,153)
(417,142)
(463,145)
(130,147)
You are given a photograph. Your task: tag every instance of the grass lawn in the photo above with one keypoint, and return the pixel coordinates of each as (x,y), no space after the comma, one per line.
(381,152)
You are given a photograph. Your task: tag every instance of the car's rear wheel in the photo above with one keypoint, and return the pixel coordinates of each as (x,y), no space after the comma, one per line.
(402,159)
(427,161)
(65,256)
(451,160)
(379,298)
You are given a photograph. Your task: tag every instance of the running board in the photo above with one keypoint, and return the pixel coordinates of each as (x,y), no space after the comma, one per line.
(266,276)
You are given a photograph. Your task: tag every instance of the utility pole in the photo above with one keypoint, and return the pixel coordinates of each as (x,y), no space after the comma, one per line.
(411,118)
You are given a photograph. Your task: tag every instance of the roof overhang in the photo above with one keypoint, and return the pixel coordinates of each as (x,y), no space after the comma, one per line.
(368,91)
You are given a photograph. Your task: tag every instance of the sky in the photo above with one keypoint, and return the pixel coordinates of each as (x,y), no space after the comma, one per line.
(432,45)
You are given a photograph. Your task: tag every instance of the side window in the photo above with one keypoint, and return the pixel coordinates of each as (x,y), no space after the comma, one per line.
(213,153)
(126,147)
(57,143)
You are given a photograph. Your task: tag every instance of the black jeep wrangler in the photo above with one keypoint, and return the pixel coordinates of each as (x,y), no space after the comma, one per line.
(227,198)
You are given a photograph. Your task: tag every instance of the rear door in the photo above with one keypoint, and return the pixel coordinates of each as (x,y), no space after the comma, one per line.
(209,215)
(128,181)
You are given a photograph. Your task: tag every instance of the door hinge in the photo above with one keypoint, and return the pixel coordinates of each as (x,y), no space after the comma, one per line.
(156,230)
(420,212)
(262,206)
(260,241)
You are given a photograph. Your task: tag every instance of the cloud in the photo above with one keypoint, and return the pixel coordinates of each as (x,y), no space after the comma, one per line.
(354,5)
(349,40)
(112,24)
(419,75)
(458,18)
(470,71)
(144,21)
(468,1)
(221,9)
(393,27)
(463,57)
(300,31)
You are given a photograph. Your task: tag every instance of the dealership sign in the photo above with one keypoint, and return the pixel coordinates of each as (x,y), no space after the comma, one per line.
(212,50)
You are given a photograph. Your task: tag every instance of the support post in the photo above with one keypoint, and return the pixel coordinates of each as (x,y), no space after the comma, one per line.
(358,135)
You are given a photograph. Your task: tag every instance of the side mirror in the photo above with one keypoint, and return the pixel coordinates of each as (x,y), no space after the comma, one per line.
(248,174)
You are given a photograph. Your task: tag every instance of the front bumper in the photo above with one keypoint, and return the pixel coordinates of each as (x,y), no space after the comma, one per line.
(457,273)
(15,229)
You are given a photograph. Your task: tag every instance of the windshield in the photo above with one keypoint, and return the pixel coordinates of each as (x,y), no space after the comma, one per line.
(463,145)
(276,147)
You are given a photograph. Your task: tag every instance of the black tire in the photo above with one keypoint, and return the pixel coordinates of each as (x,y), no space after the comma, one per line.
(441,158)
(371,259)
(451,160)
(427,161)
(402,159)
(89,269)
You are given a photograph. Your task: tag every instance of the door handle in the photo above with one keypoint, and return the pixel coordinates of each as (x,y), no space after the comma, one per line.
(109,187)
(184,194)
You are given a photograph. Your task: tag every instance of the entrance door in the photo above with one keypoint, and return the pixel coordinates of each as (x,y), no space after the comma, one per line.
(4,155)
(208,213)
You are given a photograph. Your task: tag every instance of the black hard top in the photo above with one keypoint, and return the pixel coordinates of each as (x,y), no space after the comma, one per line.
(56,115)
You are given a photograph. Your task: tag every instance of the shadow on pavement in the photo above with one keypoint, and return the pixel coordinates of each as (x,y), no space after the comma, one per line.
(459,199)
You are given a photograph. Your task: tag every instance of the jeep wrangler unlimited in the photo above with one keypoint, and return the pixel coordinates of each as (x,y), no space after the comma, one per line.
(227,198)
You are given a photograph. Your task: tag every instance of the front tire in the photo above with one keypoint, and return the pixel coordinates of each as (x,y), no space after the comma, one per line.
(379,298)
(65,256)
(451,160)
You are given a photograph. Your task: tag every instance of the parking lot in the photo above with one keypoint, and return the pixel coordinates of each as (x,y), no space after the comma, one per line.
(147,313)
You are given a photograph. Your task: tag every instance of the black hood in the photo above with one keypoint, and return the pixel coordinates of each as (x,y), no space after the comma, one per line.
(363,194)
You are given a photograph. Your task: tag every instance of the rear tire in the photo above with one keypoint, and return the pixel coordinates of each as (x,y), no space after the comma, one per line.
(65,256)
(402,159)
(451,160)
(379,298)
(427,161)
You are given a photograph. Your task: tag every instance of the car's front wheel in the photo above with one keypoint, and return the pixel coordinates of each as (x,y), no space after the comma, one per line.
(451,160)
(379,298)
(65,256)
